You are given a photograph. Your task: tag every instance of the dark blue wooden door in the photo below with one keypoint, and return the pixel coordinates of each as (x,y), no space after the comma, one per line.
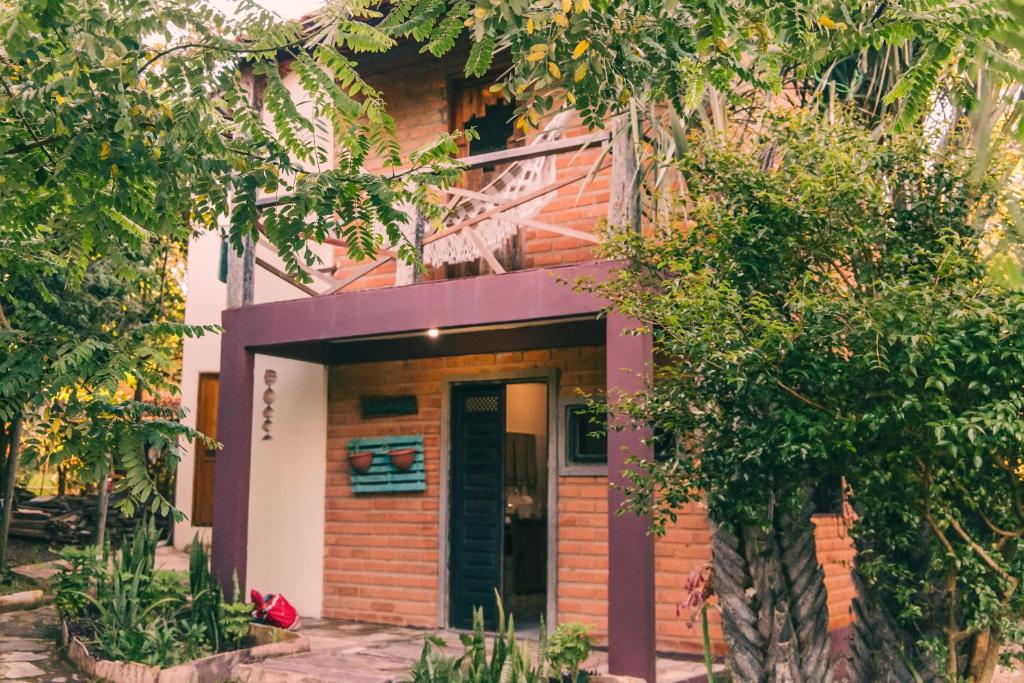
(477,501)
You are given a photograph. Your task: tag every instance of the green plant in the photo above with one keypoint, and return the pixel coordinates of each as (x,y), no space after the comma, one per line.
(206,594)
(235,617)
(830,309)
(76,578)
(510,661)
(434,666)
(567,648)
(129,611)
(225,622)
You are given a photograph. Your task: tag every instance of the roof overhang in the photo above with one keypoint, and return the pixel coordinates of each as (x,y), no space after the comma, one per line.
(509,312)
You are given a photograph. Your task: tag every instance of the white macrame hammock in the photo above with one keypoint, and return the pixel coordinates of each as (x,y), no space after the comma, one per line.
(519,178)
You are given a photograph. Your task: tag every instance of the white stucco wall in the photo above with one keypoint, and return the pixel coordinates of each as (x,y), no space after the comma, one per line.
(286,504)
(286,490)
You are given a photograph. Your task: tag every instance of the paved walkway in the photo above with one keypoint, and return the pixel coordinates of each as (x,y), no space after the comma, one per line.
(28,648)
(369,653)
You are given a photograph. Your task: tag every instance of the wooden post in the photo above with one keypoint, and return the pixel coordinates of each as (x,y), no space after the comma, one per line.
(241,274)
(624,200)
(421,229)
(10,476)
(242,266)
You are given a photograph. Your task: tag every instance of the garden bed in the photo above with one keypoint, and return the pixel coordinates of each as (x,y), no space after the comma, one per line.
(269,642)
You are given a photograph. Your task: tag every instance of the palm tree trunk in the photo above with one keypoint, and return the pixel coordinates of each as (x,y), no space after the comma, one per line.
(774,609)
(880,652)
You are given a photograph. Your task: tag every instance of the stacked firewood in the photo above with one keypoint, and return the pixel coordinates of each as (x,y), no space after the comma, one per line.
(65,519)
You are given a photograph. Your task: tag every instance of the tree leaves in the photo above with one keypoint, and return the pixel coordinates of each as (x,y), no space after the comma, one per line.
(832,313)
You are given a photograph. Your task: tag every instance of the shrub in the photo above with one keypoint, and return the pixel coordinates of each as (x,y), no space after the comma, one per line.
(510,660)
(567,648)
(128,611)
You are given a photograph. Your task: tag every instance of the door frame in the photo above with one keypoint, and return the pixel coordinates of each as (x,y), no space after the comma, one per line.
(547,376)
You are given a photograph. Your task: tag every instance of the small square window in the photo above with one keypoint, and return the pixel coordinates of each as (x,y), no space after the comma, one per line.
(828,495)
(586,437)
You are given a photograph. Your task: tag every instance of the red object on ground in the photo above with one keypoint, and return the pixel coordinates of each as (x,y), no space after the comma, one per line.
(275,610)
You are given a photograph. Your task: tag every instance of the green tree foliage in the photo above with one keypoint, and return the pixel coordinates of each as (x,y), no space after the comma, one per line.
(124,126)
(824,306)
(84,348)
(120,120)
(603,55)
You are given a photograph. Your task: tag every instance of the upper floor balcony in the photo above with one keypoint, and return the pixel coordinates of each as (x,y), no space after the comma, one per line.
(524,200)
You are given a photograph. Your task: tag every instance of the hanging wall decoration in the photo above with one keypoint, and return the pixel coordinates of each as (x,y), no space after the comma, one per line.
(270,379)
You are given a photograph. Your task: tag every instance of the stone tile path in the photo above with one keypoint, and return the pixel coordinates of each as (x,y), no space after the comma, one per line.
(28,648)
(369,653)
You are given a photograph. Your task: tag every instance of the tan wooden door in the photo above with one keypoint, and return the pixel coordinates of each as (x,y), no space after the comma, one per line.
(206,422)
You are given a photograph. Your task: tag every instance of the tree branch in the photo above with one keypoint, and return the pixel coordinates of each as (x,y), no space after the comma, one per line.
(800,397)
(214,46)
(985,557)
(29,146)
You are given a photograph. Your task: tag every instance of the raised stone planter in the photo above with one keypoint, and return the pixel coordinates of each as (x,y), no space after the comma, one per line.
(23,600)
(270,642)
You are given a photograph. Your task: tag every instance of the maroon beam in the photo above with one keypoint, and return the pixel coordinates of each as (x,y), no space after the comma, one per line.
(522,296)
(631,619)
(233,462)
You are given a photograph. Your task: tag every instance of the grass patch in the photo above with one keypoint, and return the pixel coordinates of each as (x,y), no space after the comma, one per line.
(12,583)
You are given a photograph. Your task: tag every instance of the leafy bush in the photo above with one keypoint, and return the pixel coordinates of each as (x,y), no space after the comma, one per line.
(510,660)
(567,648)
(834,307)
(128,611)
(72,582)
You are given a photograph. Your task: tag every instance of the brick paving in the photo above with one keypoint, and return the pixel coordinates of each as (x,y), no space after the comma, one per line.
(357,652)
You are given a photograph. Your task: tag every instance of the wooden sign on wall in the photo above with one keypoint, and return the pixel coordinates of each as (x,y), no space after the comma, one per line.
(388,406)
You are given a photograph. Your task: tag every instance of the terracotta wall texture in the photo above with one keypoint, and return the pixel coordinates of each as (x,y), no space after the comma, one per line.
(381,551)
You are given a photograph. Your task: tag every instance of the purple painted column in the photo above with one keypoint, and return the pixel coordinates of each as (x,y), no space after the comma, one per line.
(631,622)
(231,470)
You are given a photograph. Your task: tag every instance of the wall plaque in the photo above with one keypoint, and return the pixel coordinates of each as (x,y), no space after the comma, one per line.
(388,406)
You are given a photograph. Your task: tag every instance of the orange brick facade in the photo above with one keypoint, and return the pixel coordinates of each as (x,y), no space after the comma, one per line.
(381,552)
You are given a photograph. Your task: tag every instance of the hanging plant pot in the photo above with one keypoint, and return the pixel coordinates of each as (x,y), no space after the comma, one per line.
(360,462)
(403,458)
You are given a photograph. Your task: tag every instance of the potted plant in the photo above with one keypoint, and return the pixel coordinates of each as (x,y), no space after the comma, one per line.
(360,461)
(402,458)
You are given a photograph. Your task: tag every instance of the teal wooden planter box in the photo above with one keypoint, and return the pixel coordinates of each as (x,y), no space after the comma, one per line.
(382,476)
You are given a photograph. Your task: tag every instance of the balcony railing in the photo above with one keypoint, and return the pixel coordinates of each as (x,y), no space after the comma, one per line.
(478,217)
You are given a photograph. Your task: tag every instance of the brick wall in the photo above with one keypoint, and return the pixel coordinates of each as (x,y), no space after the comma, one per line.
(417,95)
(381,552)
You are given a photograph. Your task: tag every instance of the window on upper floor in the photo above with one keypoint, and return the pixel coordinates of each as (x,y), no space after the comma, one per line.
(474,106)
(828,496)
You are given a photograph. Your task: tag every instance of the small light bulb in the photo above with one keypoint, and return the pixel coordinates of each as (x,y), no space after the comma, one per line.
(433,333)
